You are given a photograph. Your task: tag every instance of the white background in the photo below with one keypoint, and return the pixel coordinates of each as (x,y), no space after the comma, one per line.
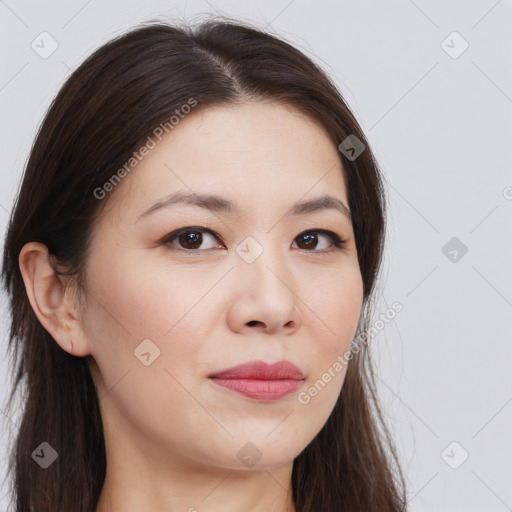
(441,129)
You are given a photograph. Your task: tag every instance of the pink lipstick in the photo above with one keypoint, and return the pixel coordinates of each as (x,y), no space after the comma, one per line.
(261,381)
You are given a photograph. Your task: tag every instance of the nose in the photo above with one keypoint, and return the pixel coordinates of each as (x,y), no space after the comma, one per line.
(264,298)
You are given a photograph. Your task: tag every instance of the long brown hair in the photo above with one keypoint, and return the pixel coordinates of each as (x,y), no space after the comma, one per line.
(104,112)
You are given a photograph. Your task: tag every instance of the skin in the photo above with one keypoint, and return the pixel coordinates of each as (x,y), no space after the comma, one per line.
(172,436)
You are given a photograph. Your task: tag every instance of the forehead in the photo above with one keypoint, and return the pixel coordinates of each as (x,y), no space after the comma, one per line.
(258,154)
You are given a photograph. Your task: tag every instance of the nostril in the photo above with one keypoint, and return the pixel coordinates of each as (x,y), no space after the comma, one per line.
(252,322)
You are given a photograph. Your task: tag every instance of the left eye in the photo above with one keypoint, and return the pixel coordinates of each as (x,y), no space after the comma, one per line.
(311,239)
(191,238)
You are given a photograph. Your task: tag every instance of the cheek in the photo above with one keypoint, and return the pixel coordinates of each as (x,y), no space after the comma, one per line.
(146,297)
(136,302)
(346,316)
(340,305)
(148,300)
(335,305)
(336,314)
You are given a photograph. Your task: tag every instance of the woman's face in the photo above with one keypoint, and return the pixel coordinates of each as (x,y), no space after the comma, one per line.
(163,313)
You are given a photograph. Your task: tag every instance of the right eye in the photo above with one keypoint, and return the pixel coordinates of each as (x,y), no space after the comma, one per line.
(189,239)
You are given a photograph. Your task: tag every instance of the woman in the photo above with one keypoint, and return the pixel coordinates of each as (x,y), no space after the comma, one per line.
(190,261)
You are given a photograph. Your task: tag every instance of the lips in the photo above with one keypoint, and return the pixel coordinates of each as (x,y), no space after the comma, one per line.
(260,381)
(259,370)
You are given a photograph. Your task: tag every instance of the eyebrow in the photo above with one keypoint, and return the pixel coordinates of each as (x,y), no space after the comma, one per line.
(217,203)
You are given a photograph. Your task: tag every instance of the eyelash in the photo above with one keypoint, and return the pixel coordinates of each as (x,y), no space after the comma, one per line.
(337,241)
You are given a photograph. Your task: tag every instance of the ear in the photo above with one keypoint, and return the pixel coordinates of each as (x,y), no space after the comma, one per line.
(52,299)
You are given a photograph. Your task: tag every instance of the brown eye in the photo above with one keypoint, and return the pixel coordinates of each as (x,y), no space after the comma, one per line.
(190,238)
(309,240)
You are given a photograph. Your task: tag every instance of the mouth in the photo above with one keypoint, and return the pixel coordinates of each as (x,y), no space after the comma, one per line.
(260,381)
(262,371)
(258,389)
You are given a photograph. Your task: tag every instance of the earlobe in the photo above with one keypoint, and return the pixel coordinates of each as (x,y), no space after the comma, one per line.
(46,292)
